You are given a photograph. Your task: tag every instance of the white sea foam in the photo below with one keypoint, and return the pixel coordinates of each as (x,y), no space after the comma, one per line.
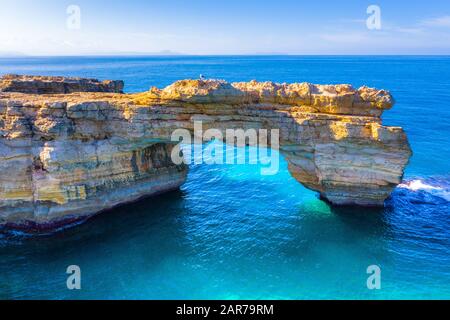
(419,185)
(416,185)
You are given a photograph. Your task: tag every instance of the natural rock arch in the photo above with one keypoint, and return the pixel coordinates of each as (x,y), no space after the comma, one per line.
(68,156)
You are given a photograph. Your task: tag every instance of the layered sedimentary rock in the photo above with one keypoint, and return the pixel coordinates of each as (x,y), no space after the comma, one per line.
(45,85)
(66,156)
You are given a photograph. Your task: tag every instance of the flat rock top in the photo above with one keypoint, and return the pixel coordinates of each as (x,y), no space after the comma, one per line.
(56,85)
(341,98)
(17,77)
(270,92)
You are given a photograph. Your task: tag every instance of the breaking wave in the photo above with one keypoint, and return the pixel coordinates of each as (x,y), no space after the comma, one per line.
(436,190)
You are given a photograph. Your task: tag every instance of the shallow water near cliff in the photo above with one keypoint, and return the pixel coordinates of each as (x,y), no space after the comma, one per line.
(232,233)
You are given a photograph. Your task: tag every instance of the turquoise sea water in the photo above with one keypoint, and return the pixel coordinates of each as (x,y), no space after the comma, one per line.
(232,233)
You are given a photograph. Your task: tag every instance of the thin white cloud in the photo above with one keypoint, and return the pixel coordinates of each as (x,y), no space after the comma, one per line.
(443,21)
(412,31)
(350,37)
(357,21)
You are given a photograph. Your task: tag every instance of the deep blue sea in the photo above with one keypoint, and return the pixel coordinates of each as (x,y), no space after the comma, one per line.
(231,233)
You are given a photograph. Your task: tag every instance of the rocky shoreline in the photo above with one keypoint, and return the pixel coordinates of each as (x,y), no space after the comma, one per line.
(71,147)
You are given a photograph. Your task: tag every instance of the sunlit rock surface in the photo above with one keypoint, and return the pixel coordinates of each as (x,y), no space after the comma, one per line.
(64,157)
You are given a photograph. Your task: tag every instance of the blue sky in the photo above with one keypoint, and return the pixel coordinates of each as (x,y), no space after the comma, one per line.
(224,27)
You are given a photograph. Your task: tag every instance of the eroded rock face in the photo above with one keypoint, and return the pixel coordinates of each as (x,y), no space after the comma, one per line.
(68,156)
(56,85)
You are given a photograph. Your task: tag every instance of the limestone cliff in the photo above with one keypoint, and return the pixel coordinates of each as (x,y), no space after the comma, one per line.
(68,156)
(42,85)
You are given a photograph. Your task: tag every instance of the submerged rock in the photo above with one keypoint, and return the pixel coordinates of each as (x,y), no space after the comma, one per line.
(67,157)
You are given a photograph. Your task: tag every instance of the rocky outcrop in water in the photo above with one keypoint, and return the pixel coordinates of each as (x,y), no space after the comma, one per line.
(64,157)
